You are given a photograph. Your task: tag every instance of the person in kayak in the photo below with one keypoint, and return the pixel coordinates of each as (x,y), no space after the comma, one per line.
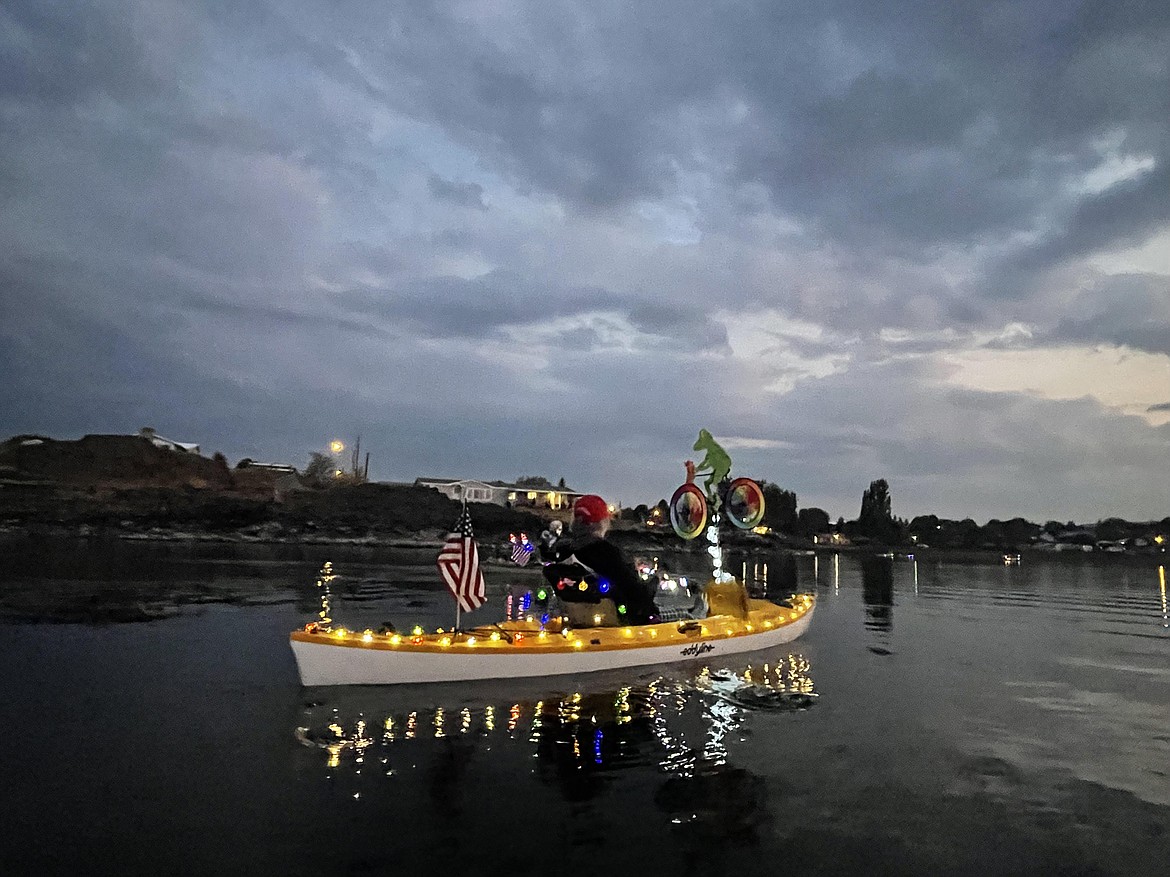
(590,555)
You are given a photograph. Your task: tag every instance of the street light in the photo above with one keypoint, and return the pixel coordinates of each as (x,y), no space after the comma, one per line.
(336,446)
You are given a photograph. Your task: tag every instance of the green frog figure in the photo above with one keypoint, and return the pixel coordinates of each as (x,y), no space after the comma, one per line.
(716,462)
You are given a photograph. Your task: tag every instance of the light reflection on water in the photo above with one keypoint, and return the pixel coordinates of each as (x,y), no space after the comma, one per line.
(640,724)
(1162,589)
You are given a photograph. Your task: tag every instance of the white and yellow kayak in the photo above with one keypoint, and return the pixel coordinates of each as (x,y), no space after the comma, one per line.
(525,648)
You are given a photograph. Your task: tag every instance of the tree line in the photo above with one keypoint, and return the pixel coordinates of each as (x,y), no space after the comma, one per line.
(876,523)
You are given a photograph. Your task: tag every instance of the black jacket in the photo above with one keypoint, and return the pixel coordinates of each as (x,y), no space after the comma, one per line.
(610,565)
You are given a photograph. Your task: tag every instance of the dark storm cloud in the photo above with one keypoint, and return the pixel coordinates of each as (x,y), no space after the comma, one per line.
(444,306)
(967,125)
(480,307)
(348,257)
(902,120)
(463,194)
(581,106)
(1125,215)
(906,121)
(262,317)
(884,163)
(59,53)
(902,129)
(689,326)
(67,374)
(1126,309)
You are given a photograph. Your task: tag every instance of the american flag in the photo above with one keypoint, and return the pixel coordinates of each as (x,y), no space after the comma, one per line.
(521,548)
(459,565)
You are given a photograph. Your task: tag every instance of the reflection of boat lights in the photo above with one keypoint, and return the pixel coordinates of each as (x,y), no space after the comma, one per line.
(1162,587)
(798,678)
(334,748)
(362,740)
(589,729)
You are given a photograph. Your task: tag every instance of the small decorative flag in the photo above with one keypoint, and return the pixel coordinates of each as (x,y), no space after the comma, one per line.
(459,565)
(521,548)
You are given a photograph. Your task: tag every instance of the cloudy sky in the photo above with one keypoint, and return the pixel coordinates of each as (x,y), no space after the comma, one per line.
(921,241)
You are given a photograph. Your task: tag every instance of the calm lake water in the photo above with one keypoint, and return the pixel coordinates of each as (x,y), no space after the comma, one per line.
(968,719)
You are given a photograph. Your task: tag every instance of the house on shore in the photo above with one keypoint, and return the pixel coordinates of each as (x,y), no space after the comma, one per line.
(277,468)
(831,539)
(158,441)
(553,498)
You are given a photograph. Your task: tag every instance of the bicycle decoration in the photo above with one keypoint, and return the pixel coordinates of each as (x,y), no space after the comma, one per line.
(745,503)
(688,507)
(691,505)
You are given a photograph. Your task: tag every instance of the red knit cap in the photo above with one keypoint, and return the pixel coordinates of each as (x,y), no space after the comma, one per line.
(590,509)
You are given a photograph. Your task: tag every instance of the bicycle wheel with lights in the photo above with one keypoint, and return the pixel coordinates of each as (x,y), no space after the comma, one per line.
(688,511)
(745,503)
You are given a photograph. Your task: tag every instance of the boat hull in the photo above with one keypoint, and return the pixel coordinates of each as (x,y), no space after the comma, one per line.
(343,658)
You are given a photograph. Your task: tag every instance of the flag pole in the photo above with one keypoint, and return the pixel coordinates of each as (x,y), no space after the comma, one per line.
(463,511)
